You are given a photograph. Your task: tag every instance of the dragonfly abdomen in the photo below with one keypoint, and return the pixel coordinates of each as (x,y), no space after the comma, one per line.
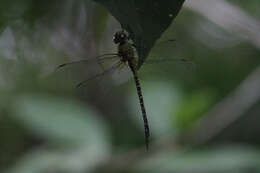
(141,101)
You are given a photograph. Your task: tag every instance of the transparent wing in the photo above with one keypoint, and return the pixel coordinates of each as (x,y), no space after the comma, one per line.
(89,69)
(182,61)
(165,52)
(105,72)
(99,59)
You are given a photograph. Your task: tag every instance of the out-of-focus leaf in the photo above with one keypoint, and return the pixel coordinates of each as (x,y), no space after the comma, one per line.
(58,119)
(64,122)
(100,21)
(42,160)
(224,160)
(11,10)
(36,162)
(24,10)
(193,108)
(145,20)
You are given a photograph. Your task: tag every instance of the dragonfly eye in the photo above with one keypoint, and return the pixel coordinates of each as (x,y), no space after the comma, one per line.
(120,37)
(115,39)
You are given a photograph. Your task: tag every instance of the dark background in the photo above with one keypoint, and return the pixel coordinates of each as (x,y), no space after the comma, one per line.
(204,115)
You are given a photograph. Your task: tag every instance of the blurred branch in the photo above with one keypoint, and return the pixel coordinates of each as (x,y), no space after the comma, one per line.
(229,17)
(230,109)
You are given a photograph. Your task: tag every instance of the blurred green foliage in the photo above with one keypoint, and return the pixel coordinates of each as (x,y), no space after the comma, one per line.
(46,125)
(193,107)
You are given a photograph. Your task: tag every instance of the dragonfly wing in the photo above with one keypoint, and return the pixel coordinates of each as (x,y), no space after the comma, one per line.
(184,61)
(105,72)
(99,59)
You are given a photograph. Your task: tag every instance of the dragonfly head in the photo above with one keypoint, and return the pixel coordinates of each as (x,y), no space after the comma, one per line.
(120,37)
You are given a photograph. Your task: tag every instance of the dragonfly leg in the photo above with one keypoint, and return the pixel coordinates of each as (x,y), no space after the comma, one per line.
(122,66)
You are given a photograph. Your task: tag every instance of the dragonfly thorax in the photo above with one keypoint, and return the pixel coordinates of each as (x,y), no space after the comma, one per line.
(125,48)
(126,52)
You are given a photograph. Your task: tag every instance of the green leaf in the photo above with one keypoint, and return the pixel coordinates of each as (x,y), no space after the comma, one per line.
(27,11)
(193,108)
(100,21)
(60,120)
(226,159)
(145,20)
(78,130)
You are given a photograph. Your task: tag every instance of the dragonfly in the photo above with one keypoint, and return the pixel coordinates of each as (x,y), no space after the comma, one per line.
(125,56)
